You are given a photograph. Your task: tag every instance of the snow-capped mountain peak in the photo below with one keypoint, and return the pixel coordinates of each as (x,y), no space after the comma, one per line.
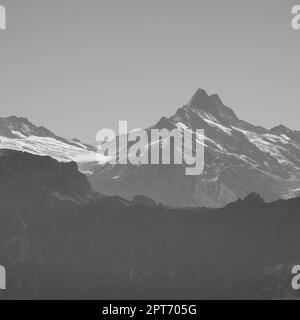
(211,104)
(240,158)
(16,127)
(18,133)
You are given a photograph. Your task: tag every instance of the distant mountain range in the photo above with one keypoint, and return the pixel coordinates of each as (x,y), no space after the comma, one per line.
(60,240)
(239,158)
(20,134)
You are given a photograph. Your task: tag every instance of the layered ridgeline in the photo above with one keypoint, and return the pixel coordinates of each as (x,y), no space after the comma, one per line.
(59,240)
(239,158)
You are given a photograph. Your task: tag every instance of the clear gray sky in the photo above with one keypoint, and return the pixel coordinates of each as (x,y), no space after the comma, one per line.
(78,66)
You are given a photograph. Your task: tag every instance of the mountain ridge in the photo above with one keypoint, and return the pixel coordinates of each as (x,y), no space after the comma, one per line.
(239,158)
(59,241)
(19,133)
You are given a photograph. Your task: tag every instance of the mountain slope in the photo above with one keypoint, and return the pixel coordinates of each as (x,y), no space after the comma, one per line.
(58,241)
(27,178)
(239,158)
(20,134)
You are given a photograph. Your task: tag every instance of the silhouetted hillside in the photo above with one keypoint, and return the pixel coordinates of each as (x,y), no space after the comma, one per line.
(57,248)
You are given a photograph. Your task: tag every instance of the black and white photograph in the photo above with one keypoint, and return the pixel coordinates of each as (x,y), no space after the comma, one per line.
(149,154)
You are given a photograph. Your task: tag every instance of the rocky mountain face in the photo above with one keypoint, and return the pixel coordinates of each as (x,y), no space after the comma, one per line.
(239,158)
(20,134)
(59,240)
(26,177)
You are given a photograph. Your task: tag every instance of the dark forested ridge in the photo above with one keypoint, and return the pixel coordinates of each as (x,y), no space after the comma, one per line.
(59,240)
